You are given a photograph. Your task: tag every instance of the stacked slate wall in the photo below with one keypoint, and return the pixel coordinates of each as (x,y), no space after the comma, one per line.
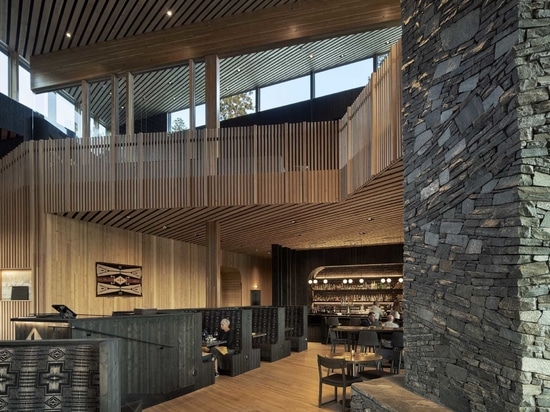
(476,127)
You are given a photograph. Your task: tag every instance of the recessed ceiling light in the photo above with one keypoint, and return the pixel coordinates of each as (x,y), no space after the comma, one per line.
(292,221)
(311,56)
(68,35)
(169,13)
(369,219)
(165,227)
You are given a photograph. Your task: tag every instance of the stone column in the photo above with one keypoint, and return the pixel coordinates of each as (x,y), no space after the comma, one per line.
(476,129)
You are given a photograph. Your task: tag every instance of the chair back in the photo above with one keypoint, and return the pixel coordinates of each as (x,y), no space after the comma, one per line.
(333,322)
(392,356)
(330,364)
(397,340)
(368,339)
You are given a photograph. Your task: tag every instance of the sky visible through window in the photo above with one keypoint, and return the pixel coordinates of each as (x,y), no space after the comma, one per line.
(281,94)
(327,82)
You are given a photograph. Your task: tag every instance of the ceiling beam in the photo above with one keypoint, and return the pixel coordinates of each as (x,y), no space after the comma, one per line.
(301,22)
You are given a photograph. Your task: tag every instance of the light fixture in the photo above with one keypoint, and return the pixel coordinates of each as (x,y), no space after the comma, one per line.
(345,281)
(310,281)
(350,281)
(169,13)
(361,280)
(165,227)
(388,280)
(400,280)
(325,281)
(315,281)
(382,280)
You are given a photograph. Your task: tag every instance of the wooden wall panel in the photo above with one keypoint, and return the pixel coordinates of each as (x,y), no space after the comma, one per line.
(173,272)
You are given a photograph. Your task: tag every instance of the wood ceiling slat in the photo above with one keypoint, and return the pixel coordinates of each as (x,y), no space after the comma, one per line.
(101,30)
(73,24)
(54,21)
(89,19)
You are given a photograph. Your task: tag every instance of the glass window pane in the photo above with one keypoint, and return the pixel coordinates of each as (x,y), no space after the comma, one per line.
(179,121)
(238,105)
(65,113)
(26,96)
(343,78)
(282,94)
(3,73)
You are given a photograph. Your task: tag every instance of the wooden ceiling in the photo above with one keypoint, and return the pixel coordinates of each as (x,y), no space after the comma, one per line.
(373,215)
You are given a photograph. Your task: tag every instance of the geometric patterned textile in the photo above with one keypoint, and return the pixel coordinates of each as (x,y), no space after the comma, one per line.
(119,280)
(49,378)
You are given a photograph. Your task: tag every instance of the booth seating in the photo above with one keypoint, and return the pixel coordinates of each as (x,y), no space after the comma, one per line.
(296,327)
(158,357)
(269,323)
(246,357)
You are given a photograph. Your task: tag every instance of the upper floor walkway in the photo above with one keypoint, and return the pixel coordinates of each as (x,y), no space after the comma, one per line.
(315,162)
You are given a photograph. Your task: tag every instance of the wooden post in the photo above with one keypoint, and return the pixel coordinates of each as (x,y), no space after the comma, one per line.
(213,259)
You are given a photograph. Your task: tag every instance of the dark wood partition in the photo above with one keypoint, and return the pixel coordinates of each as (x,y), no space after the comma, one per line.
(296,327)
(159,356)
(246,357)
(68,374)
(269,321)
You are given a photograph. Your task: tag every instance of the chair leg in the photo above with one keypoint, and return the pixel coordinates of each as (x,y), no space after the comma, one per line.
(343,399)
(320,393)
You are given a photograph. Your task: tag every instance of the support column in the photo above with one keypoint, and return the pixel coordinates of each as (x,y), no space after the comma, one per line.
(213,261)
(115,105)
(192,85)
(212,92)
(13,75)
(85,109)
(129,103)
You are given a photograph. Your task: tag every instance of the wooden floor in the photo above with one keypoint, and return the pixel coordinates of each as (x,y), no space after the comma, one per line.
(290,384)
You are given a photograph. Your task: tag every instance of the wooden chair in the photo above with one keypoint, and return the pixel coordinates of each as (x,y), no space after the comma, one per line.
(368,339)
(332,322)
(398,344)
(390,358)
(336,339)
(328,375)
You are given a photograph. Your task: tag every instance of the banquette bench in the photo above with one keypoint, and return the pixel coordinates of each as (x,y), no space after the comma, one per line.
(296,327)
(245,357)
(268,322)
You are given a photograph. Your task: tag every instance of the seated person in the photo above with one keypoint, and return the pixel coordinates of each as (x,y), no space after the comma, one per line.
(370,321)
(228,335)
(389,323)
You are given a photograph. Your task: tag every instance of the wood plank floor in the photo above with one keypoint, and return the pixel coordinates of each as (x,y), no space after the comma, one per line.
(290,384)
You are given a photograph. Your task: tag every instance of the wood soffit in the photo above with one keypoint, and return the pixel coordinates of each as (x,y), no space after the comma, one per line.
(267,28)
(373,215)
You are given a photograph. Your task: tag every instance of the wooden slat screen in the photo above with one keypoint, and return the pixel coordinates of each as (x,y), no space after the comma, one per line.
(15,253)
(370,132)
(275,164)
(12,309)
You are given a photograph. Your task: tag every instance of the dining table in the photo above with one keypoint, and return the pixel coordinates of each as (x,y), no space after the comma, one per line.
(356,359)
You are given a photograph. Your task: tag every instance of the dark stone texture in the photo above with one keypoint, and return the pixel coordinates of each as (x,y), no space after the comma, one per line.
(476,139)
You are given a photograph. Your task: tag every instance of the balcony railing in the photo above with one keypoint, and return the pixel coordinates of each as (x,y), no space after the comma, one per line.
(289,163)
